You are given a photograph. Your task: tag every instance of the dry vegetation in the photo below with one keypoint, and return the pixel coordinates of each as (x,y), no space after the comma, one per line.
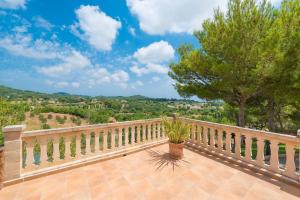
(34,123)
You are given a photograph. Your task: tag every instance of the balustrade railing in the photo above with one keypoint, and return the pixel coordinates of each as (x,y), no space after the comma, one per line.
(31,153)
(36,152)
(278,153)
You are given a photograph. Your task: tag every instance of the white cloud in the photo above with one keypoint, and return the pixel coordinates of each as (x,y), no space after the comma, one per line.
(153,58)
(149,68)
(72,62)
(62,84)
(43,23)
(156,52)
(95,27)
(23,45)
(173,16)
(99,76)
(12,4)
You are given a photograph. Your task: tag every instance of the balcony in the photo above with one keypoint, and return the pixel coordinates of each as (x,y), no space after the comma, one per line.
(129,160)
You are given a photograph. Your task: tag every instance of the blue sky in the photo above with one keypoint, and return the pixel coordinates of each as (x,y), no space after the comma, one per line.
(97,47)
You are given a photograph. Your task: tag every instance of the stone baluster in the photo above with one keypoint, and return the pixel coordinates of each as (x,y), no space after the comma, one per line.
(158,131)
(112,138)
(67,146)
(150,130)
(290,167)
(237,145)
(29,154)
(97,143)
(274,161)
(78,145)
(212,137)
(12,151)
(199,135)
(228,142)
(260,152)
(220,140)
(120,131)
(43,156)
(56,155)
(88,149)
(132,135)
(192,133)
(144,133)
(126,136)
(163,131)
(138,134)
(205,136)
(154,131)
(248,150)
(105,132)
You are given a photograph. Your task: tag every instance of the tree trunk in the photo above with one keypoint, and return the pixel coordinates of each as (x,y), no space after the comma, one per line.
(271,114)
(242,113)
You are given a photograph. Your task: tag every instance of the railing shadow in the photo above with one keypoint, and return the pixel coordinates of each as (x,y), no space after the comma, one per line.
(291,189)
(164,159)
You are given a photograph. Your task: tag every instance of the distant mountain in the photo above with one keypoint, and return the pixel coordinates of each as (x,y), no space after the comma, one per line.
(16,93)
(12,93)
(61,94)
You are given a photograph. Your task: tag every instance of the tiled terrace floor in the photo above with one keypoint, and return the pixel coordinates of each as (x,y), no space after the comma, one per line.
(150,174)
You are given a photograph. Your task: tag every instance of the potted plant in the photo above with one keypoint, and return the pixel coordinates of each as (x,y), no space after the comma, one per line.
(177,132)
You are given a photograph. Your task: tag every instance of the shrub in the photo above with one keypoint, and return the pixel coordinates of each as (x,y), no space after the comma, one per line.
(177,130)
(50,116)
(45,126)
(59,119)
(42,118)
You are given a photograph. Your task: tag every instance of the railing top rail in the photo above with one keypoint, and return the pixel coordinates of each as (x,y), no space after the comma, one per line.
(266,134)
(35,133)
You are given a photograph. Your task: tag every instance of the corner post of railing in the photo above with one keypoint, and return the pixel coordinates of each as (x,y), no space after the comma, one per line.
(12,151)
(1,166)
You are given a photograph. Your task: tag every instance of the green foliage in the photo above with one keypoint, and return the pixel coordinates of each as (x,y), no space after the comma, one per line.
(50,150)
(62,147)
(176,130)
(42,118)
(73,146)
(11,114)
(248,57)
(45,126)
(83,143)
(59,119)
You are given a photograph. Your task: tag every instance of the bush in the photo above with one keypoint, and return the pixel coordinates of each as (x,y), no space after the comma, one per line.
(50,116)
(59,119)
(42,118)
(45,126)
(76,120)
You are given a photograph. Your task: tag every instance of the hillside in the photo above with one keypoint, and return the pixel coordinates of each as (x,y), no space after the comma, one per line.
(54,120)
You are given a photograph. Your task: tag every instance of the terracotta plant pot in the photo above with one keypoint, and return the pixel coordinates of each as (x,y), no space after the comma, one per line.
(176,150)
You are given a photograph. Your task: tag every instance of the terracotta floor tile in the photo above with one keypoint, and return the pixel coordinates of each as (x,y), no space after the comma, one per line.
(151,174)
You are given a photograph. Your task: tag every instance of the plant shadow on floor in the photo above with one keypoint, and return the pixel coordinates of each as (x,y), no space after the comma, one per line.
(164,159)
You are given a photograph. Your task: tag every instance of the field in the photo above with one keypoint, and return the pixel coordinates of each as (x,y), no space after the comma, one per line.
(54,120)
